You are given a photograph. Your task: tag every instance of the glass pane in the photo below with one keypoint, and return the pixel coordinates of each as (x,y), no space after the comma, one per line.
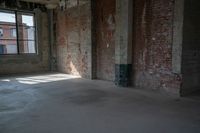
(28,20)
(13,32)
(8,31)
(25,20)
(26,33)
(8,46)
(7,18)
(27,47)
(8,41)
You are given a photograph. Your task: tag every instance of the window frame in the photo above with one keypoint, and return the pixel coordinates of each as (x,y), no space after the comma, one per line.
(23,12)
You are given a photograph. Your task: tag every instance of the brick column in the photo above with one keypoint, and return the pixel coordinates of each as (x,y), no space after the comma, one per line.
(123,48)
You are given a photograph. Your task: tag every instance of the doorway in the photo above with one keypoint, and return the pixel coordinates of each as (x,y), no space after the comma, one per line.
(104,21)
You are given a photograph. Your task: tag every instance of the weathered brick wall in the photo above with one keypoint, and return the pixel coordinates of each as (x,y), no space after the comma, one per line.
(152,50)
(74,39)
(104,19)
(191,47)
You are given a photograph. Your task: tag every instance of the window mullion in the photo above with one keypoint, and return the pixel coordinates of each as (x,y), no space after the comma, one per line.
(17,32)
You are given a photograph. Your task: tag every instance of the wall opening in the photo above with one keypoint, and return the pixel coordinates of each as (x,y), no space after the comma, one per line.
(191,47)
(104,27)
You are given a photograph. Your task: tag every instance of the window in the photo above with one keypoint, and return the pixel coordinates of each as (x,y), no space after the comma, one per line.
(13,32)
(18,32)
(1,32)
(2,49)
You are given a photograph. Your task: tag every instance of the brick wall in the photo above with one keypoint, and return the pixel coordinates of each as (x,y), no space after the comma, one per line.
(74,39)
(152,46)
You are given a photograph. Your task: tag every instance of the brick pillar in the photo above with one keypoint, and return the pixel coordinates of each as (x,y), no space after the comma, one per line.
(123,48)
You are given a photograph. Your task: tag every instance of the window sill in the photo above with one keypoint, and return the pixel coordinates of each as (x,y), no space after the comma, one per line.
(18,55)
(25,58)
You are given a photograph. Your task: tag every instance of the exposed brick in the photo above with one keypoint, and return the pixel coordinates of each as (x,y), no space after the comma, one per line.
(74,39)
(153,45)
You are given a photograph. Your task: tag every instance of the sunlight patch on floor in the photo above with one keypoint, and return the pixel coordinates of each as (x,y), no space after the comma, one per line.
(31,80)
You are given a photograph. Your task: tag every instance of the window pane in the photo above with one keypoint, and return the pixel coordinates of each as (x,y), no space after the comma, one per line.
(8,47)
(25,19)
(13,32)
(1,32)
(7,31)
(28,20)
(26,33)
(27,47)
(8,43)
(7,17)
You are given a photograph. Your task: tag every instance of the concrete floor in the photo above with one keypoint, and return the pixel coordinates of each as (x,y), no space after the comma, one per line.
(58,103)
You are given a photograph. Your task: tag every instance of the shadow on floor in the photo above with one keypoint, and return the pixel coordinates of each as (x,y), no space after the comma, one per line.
(195,95)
